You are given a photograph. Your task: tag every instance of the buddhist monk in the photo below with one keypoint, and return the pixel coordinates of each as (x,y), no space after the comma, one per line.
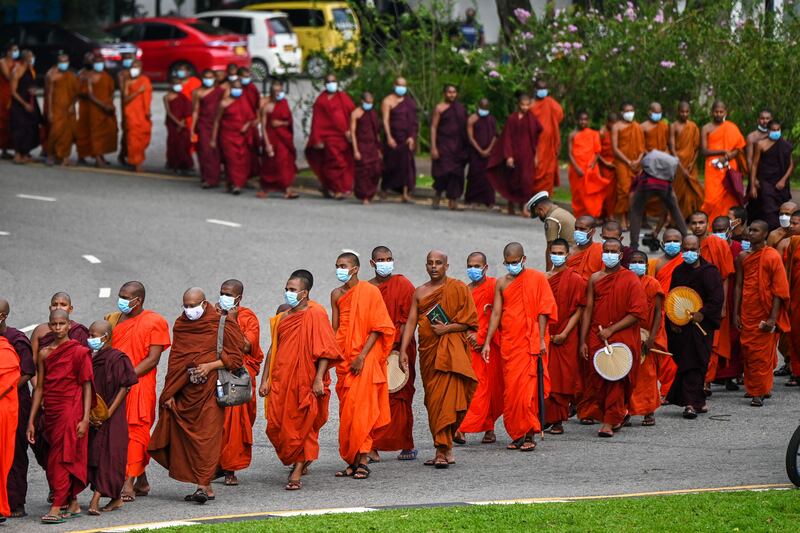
(792,261)
(61,93)
(328,150)
(252,96)
(757,135)
(7,64)
(608,171)
(136,107)
(513,158)
(722,144)
(365,131)
(187,435)
(585,184)
(18,475)
(189,83)
(684,143)
(487,403)
(770,171)
(655,131)
(205,101)
(523,310)
(25,117)
(397,293)
(691,347)
(645,398)
(365,335)
(482,136)
(83,134)
(9,413)
(295,382)
(178,111)
(760,311)
(784,229)
(231,132)
(627,141)
(738,230)
(400,127)
(279,165)
(102,113)
(449,148)
(586,256)
(612,229)
(444,311)
(108,439)
(142,335)
(615,305)
(569,290)
(123,75)
(64,388)
(42,335)
(238,430)
(782,247)
(549,114)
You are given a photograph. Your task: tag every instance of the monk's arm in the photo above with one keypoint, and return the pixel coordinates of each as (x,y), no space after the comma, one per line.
(543,319)
(95,100)
(755,158)
(408,332)
(335,310)
(737,292)
(587,318)
(215,127)
(704,145)
(358,363)
(318,387)
(170,116)
(673,135)
(38,393)
(494,320)
(572,322)
(789,171)
(724,297)
(150,362)
(263,389)
(659,304)
(471,133)
(437,115)
(626,322)
(195,111)
(264,122)
(353,123)
(615,147)
(48,95)
(386,110)
(118,399)
(571,155)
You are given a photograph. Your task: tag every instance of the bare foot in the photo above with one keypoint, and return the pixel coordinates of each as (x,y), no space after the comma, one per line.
(374,457)
(113,505)
(141,487)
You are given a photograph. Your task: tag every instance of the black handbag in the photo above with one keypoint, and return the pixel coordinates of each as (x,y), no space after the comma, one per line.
(233,387)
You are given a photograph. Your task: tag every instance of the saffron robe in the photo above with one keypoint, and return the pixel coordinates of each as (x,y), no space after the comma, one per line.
(179,138)
(451,142)
(630,141)
(138,124)
(330,121)
(718,196)
(792,262)
(479,190)
(399,167)
(83,136)
(519,140)
(370,167)
(278,171)
(9,412)
(588,191)
(102,125)
(549,114)
(586,261)
(717,252)
(645,397)
(657,137)
(62,121)
(688,189)
(608,175)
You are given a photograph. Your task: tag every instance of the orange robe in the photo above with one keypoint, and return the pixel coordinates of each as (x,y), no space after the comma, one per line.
(61,134)
(444,361)
(587,261)
(134,337)
(524,300)
(83,136)
(608,175)
(294,414)
(764,278)
(588,191)
(550,115)
(645,397)
(793,274)
(398,293)
(718,253)
(616,295)
(9,405)
(688,188)
(569,290)
(487,403)
(363,399)
(238,430)
(657,137)
(666,365)
(138,124)
(102,126)
(718,197)
(630,142)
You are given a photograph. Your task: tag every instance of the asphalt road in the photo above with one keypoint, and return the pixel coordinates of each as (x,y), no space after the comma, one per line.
(156,231)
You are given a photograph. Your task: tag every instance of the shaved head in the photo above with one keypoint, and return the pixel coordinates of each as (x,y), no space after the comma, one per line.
(193,297)
(760,224)
(134,288)
(304,277)
(691,239)
(4,307)
(350,257)
(60,296)
(380,250)
(100,328)
(475,255)
(587,219)
(513,249)
(436,264)
(58,314)
(672,235)
(234,285)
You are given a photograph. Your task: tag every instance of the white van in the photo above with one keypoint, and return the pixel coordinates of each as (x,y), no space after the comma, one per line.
(271,41)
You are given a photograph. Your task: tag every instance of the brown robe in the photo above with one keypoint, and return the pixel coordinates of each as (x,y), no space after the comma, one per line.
(62,120)
(102,125)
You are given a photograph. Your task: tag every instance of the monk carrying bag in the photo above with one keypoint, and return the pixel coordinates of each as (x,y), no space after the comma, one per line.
(233,388)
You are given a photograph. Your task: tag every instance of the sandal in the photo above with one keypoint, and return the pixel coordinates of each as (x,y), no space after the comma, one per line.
(440,463)
(459,438)
(362,472)
(689,413)
(757,401)
(649,420)
(626,422)
(231,480)
(52,519)
(587,422)
(794,381)
(347,472)
(556,429)
(407,455)
(605,434)
(198,496)
(528,445)
(488,439)
(127,498)
(432,462)
(516,445)
(294,484)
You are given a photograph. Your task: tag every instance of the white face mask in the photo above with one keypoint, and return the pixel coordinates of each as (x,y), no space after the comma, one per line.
(627,116)
(135,72)
(784,220)
(193,313)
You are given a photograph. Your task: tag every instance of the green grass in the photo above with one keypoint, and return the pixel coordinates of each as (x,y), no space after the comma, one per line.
(729,511)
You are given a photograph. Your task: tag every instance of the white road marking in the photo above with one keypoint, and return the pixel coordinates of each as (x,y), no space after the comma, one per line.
(313,512)
(4,233)
(223,223)
(26,329)
(105,292)
(35,197)
(92,259)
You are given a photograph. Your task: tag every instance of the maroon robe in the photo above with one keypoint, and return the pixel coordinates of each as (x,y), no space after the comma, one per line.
(77,332)
(251,93)
(518,140)
(236,146)
(278,171)
(399,168)
(179,139)
(208,158)
(18,475)
(479,190)
(370,167)
(330,121)
(66,369)
(452,144)
(108,445)
(25,133)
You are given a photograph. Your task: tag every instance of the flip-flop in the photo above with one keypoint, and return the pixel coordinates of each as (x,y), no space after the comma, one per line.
(587,422)
(127,498)
(556,430)
(408,456)
(52,519)
(441,465)
(432,462)
(488,440)
(525,448)
(343,473)
(362,472)
(515,445)
(605,434)
(294,484)
(231,480)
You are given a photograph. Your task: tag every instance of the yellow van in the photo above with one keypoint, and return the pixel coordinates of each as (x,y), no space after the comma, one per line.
(321,28)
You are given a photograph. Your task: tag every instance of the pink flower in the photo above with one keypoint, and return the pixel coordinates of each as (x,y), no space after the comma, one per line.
(577,45)
(631,48)
(582,57)
(494,74)
(572,28)
(566,45)
(618,17)
(659,18)
(667,64)
(615,51)
(527,36)
(522,15)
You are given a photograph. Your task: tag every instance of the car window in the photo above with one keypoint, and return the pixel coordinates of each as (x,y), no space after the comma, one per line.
(208,29)
(306,18)
(343,19)
(34,36)
(157,32)
(232,24)
(126,32)
(280,25)
(93,33)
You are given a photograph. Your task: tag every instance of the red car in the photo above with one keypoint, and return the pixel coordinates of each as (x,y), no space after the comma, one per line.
(170,42)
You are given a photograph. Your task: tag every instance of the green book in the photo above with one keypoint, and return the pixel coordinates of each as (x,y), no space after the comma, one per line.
(437,314)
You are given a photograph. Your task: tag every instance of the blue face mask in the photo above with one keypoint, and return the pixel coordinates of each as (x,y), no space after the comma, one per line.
(541,93)
(331,86)
(745,246)
(226,302)
(291,298)
(775,135)
(475,274)
(611,259)
(98,67)
(15,54)
(126,63)
(208,82)
(483,112)
(280,96)
(723,235)
(124,306)
(63,67)
(384,268)
(672,248)
(514,268)
(236,92)
(655,117)
(181,74)
(95,343)
(177,87)
(246,81)
(638,268)
(690,257)
(400,90)
(367,106)
(343,274)
(558,260)
(581,237)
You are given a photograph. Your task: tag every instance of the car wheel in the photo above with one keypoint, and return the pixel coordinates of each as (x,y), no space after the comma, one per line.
(260,70)
(316,66)
(182,64)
